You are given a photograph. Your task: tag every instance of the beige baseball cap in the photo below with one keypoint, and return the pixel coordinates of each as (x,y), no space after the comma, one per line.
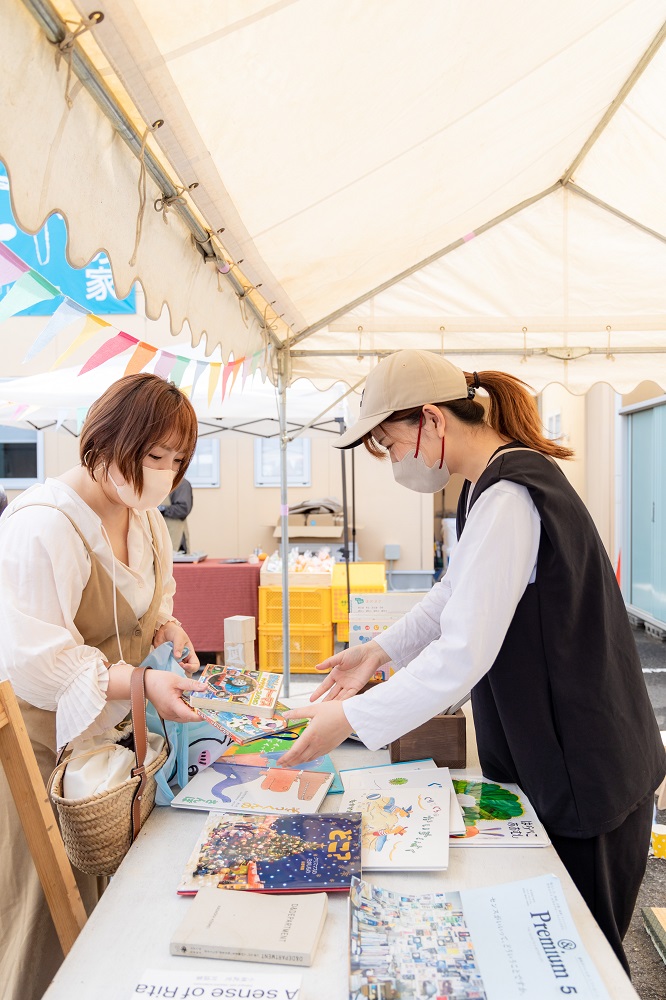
(403,380)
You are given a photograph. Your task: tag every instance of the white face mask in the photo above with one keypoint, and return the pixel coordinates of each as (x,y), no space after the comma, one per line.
(157,484)
(411,471)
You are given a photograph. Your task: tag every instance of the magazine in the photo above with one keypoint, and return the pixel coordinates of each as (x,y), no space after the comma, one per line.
(404,829)
(409,773)
(244,729)
(500,942)
(234,689)
(255,755)
(307,853)
(496,815)
(181,983)
(228,786)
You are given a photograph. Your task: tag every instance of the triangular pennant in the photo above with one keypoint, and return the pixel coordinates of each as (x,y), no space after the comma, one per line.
(81,413)
(19,411)
(26,291)
(225,378)
(61,417)
(165,363)
(11,266)
(67,312)
(142,355)
(178,370)
(234,374)
(255,361)
(213,379)
(109,350)
(199,369)
(91,326)
(247,365)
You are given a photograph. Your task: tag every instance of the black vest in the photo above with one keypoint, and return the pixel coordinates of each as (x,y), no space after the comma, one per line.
(564,711)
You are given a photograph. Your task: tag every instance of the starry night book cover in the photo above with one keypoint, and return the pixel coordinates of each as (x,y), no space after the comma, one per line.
(266,853)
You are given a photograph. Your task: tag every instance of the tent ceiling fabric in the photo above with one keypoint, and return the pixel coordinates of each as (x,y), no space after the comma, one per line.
(340,144)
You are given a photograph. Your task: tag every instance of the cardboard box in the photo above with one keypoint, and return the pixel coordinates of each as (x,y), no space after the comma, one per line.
(393,604)
(444,738)
(239,654)
(239,628)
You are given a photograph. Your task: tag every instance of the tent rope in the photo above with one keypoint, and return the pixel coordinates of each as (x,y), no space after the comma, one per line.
(142,188)
(166,202)
(65,47)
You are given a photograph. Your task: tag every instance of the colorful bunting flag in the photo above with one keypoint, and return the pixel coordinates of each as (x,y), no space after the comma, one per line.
(225,378)
(108,350)
(142,355)
(165,363)
(234,374)
(178,370)
(11,266)
(81,413)
(255,361)
(67,312)
(247,365)
(213,379)
(199,369)
(91,326)
(26,291)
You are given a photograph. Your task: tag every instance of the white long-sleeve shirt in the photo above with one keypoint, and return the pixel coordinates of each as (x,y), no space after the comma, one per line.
(44,568)
(444,645)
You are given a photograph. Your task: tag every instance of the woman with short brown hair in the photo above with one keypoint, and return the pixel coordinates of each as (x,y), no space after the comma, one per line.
(87,584)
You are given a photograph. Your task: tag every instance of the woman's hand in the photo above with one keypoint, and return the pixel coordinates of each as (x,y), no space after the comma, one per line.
(326,730)
(171,631)
(349,671)
(165,691)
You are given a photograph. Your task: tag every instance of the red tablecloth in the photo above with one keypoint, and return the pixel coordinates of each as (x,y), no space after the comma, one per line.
(210,591)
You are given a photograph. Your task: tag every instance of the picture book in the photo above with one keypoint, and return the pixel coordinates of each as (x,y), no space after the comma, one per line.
(228,786)
(309,853)
(496,815)
(248,927)
(654,918)
(512,940)
(234,689)
(404,829)
(409,773)
(244,729)
(255,755)
(179,983)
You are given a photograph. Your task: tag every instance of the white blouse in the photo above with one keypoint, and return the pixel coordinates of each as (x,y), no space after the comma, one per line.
(445,644)
(44,568)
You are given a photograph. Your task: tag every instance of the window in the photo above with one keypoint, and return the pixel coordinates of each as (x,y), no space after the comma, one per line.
(21,458)
(267,462)
(204,470)
(554,426)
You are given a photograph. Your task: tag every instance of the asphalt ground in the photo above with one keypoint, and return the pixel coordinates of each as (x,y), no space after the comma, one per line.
(648,971)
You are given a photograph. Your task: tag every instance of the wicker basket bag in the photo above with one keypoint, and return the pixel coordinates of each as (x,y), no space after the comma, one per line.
(99,830)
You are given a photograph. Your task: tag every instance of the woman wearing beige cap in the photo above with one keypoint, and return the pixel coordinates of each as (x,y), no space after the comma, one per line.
(528,616)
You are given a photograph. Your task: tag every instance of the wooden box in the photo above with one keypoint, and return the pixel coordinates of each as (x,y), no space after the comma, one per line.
(443,738)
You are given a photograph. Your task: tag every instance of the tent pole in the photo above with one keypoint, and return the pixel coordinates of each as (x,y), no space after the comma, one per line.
(283,381)
(353,491)
(345,519)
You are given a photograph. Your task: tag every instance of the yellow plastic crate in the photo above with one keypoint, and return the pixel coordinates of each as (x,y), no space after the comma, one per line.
(307,648)
(364,578)
(309,606)
(342,631)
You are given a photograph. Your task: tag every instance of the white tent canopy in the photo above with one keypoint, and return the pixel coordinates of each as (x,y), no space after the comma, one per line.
(479,178)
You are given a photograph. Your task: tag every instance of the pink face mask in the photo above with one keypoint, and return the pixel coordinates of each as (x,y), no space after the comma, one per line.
(157,484)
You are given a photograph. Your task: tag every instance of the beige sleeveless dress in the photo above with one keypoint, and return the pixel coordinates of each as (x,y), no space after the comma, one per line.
(30,952)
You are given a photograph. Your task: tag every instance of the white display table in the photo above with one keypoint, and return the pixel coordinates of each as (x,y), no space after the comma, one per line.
(130,929)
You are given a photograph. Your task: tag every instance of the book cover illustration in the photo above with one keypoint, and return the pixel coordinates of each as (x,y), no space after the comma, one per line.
(512,940)
(244,729)
(255,755)
(275,853)
(234,689)
(227,786)
(403,829)
(496,815)
(405,774)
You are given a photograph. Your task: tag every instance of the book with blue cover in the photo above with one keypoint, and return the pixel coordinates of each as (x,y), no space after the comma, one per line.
(262,753)
(307,853)
(244,729)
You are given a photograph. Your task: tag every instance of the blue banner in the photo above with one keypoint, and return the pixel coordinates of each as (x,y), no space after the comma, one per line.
(90,286)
